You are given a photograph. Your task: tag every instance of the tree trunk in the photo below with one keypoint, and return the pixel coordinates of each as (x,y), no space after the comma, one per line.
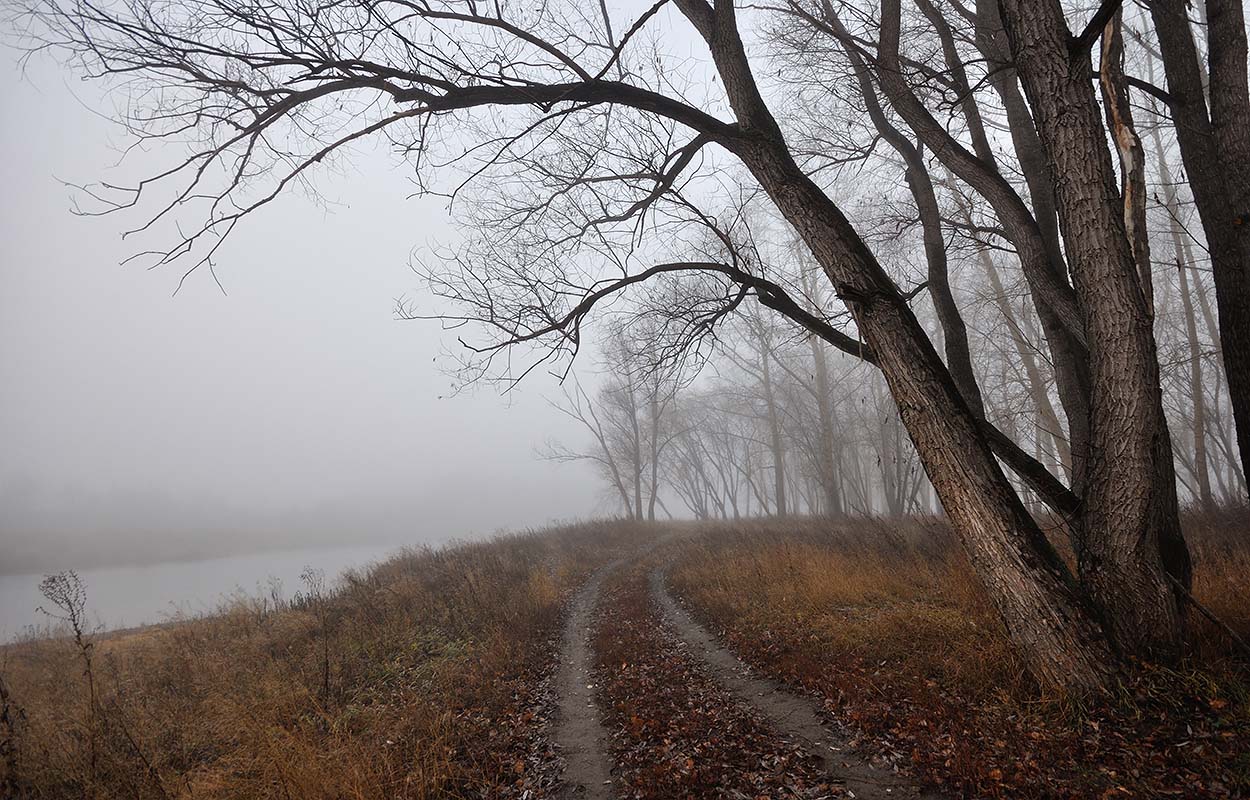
(635,445)
(1119,109)
(827,431)
(920,183)
(1214,149)
(1197,390)
(654,407)
(1230,120)
(1069,357)
(775,441)
(1201,469)
(1130,548)
(826,446)
(1024,578)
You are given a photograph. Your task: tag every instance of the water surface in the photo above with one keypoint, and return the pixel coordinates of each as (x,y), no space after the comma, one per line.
(119,597)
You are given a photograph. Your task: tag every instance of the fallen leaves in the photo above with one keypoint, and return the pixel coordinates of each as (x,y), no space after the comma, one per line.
(916,683)
(675,732)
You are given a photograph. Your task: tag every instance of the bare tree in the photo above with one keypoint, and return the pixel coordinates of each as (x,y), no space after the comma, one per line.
(620,183)
(1214,139)
(578,405)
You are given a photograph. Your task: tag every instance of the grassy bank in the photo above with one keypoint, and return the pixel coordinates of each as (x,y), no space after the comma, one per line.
(886,623)
(419,678)
(429,676)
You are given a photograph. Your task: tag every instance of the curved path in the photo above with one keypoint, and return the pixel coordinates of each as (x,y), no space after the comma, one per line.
(791,714)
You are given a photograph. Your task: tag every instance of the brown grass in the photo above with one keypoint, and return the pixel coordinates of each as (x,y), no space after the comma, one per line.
(886,622)
(425,676)
(419,678)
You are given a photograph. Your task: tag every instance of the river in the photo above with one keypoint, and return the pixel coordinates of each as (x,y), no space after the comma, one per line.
(120,597)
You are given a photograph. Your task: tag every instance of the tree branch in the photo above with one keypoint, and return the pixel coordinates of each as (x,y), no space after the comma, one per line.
(1080,46)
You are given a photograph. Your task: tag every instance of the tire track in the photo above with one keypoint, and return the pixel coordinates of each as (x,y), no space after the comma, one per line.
(579,731)
(676,730)
(792,715)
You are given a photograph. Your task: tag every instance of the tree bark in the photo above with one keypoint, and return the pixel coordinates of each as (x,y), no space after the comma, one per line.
(1041,261)
(1130,548)
(920,183)
(1070,358)
(1230,119)
(1024,578)
(1132,158)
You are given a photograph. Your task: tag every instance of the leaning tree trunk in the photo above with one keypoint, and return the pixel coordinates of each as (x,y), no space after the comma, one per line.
(920,183)
(1041,264)
(1069,358)
(1130,550)
(1024,578)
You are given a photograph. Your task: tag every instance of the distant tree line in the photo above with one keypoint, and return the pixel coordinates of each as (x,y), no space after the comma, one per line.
(780,422)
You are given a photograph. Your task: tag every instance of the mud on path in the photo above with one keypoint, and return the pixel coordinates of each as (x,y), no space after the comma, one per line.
(793,715)
(676,731)
(579,732)
(587,745)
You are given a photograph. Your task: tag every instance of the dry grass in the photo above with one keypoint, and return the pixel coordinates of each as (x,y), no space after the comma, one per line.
(425,676)
(886,622)
(1221,545)
(419,678)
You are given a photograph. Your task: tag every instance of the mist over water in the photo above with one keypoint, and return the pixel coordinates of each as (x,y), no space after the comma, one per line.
(121,597)
(146,420)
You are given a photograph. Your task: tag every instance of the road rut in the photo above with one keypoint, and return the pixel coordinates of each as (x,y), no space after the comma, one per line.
(791,714)
(579,731)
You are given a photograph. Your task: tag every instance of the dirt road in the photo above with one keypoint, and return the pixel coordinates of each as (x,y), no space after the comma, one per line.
(652,721)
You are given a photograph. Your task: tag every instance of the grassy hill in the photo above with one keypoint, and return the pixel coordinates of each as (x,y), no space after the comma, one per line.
(433,675)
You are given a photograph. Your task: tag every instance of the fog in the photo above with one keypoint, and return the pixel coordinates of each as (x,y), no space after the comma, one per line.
(293,410)
(128,596)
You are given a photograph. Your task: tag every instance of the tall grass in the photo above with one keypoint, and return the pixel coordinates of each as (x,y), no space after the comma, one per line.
(887,623)
(412,679)
(423,676)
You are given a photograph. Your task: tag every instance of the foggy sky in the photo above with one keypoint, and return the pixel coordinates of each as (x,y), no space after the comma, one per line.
(138,425)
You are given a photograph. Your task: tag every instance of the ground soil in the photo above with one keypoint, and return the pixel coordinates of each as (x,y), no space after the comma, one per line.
(796,716)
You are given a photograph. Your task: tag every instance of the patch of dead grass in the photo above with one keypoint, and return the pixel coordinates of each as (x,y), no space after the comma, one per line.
(435,666)
(887,623)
